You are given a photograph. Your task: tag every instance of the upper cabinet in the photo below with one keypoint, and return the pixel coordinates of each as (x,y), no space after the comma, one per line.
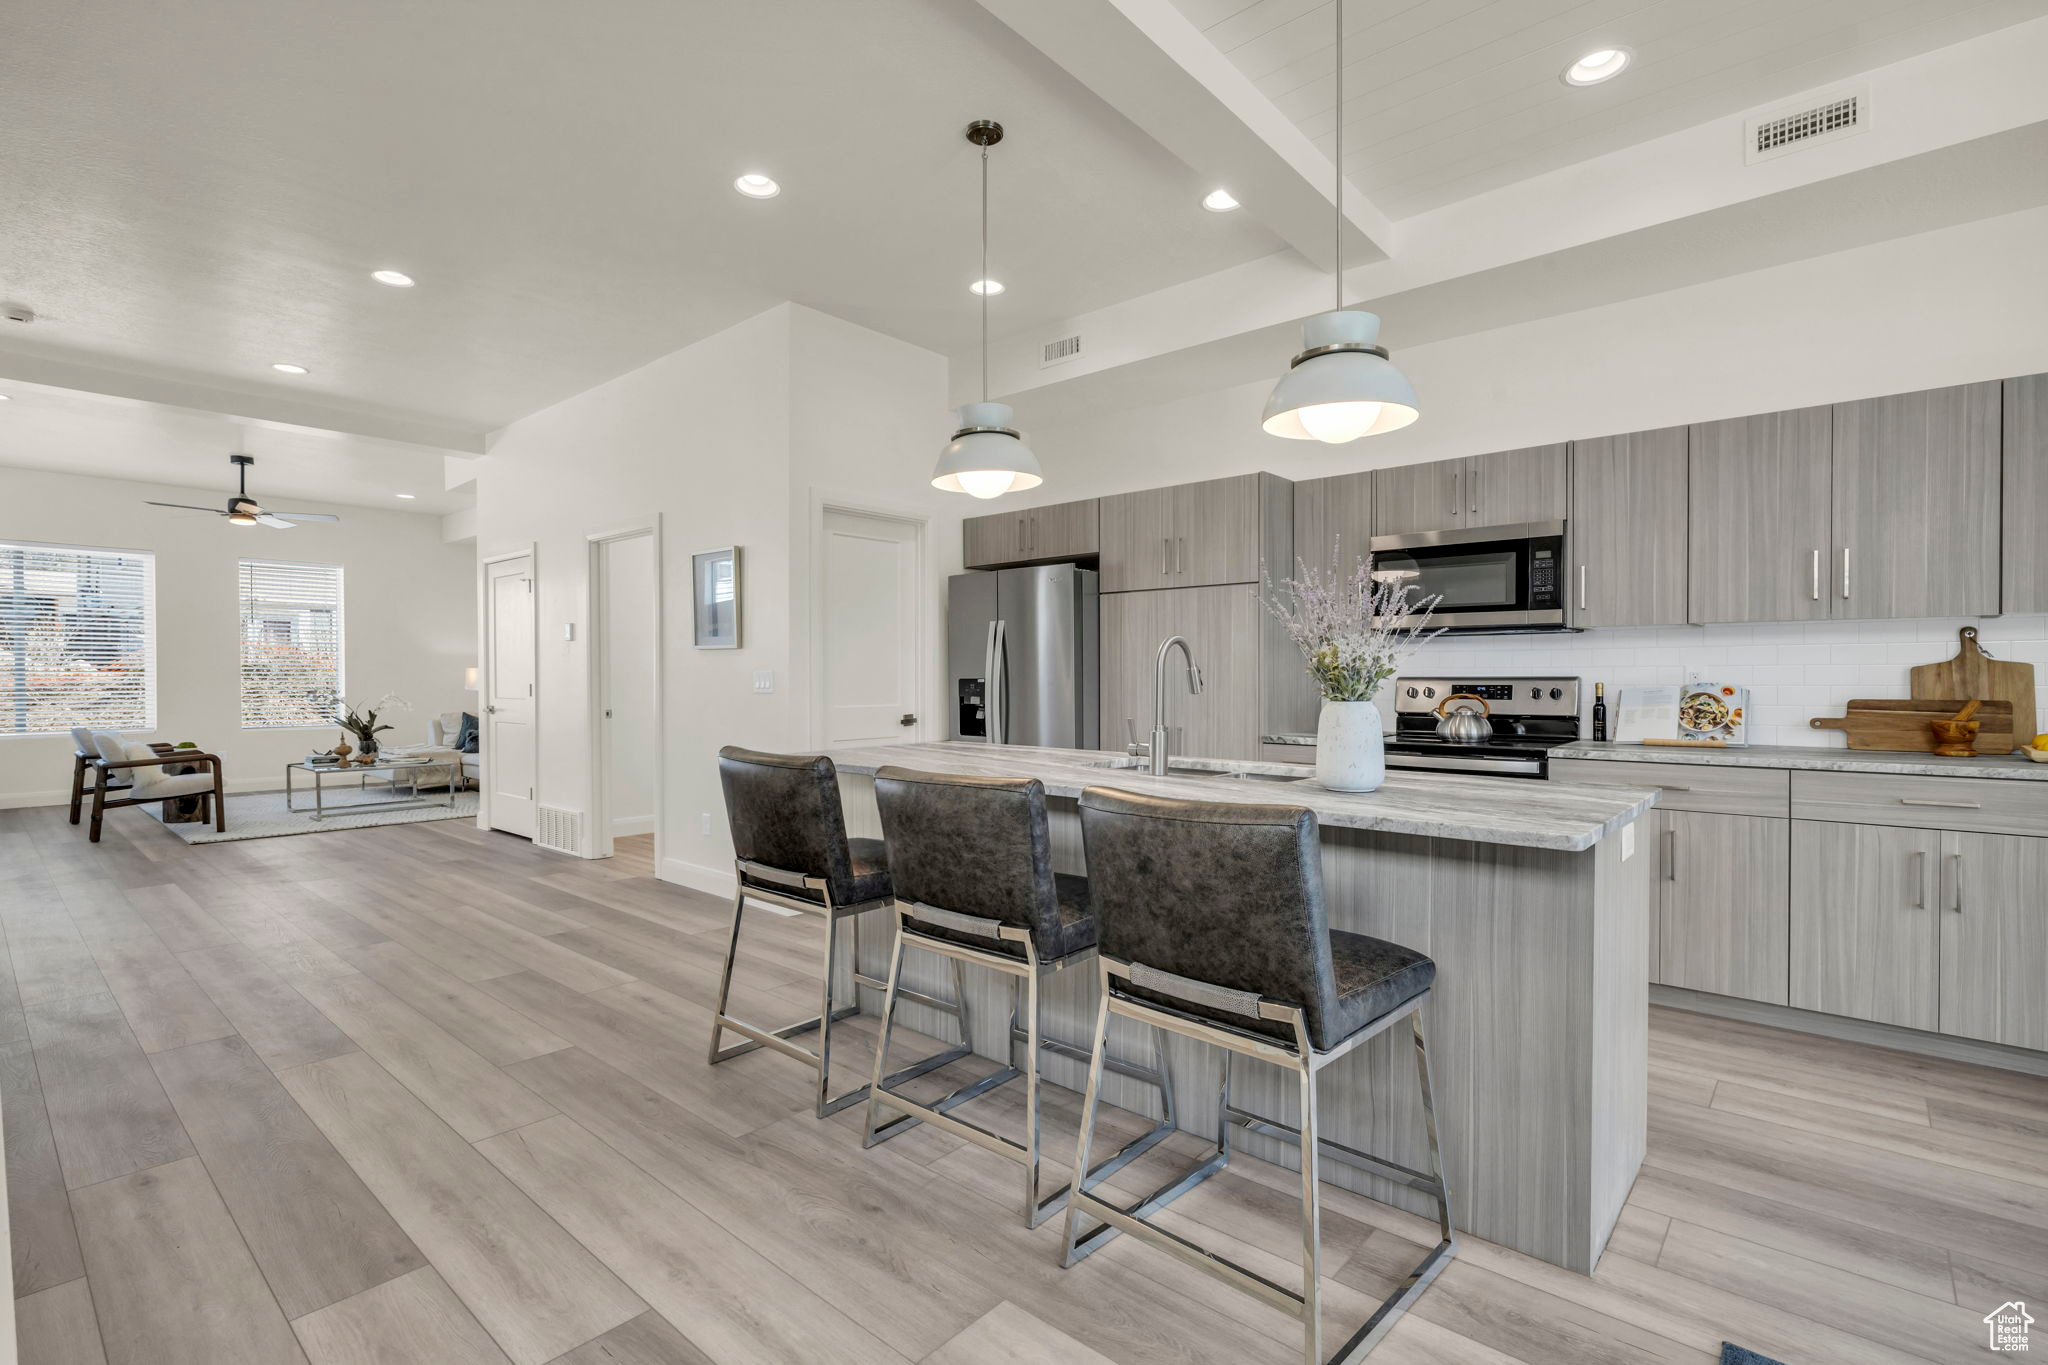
(1197,534)
(1332,523)
(1916,504)
(1066,530)
(1628,532)
(1761,543)
(2026,493)
(1509,486)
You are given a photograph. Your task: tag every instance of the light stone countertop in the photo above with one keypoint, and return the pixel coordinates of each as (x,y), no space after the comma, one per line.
(1817,760)
(1488,810)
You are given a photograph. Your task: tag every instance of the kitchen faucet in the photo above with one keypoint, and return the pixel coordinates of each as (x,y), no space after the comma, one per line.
(1156,750)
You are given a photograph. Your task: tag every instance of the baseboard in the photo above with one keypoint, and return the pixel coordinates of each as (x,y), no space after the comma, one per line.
(716,881)
(1855,1030)
(626,826)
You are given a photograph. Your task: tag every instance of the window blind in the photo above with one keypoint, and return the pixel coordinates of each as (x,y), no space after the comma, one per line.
(291,643)
(77,639)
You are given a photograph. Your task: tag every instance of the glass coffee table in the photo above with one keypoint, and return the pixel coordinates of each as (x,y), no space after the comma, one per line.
(402,779)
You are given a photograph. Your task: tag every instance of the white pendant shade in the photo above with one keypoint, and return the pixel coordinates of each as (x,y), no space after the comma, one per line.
(1340,394)
(986,458)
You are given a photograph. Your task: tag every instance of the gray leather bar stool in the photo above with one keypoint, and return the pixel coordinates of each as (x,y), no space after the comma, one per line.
(971,859)
(1212,926)
(790,849)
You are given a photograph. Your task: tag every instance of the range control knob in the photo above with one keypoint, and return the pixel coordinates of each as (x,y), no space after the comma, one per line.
(1412,692)
(1429,691)
(1557,694)
(1535,693)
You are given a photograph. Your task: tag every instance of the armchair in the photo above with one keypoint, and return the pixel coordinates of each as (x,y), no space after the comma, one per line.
(142,766)
(442,731)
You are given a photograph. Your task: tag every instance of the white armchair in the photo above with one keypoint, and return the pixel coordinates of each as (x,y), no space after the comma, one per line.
(441,733)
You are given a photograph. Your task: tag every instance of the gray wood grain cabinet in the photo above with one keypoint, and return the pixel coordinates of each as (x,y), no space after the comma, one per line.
(1137,541)
(1864,922)
(1628,529)
(1507,486)
(1196,534)
(2026,494)
(1222,626)
(1332,521)
(1064,530)
(1994,939)
(1760,544)
(1916,502)
(1723,918)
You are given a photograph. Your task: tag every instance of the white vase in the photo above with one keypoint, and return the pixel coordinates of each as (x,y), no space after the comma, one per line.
(1351,753)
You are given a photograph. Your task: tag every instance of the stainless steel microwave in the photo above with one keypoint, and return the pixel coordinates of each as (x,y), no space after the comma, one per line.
(1485,578)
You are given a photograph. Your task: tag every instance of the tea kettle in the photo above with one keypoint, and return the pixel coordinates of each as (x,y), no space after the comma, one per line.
(1464,725)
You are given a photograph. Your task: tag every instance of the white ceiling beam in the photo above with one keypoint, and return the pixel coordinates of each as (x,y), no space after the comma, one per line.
(1145,60)
(181,391)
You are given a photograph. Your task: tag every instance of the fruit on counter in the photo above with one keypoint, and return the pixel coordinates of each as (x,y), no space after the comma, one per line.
(2041,741)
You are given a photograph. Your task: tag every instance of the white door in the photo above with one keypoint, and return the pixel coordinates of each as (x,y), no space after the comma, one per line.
(627,631)
(508,746)
(869,668)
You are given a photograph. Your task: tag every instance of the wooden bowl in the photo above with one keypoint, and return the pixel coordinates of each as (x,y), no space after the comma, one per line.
(1955,738)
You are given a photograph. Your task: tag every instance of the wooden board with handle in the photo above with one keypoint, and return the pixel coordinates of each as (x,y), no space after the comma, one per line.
(1907,725)
(1973,673)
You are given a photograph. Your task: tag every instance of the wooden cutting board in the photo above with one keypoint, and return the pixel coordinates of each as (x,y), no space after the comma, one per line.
(1973,673)
(1904,726)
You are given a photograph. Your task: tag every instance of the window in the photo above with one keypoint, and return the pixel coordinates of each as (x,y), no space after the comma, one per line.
(77,639)
(291,643)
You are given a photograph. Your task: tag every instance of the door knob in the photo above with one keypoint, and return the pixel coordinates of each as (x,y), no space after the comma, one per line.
(908,719)
(490,710)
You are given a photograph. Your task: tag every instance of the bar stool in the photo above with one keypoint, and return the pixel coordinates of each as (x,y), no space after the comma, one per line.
(971,858)
(790,850)
(1213,927)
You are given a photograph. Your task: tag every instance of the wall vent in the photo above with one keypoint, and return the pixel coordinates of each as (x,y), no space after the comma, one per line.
(1840,114)
(1058,352)
(560,830)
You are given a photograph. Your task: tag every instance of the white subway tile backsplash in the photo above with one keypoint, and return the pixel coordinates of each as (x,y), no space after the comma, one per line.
(1793,670)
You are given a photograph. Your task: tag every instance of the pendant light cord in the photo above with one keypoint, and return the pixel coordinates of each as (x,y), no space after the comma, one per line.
(984,274)
(1339,160)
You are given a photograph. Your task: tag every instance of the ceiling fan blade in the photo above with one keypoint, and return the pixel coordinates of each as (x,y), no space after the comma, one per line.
(265,519)
(184,507)
(306,516)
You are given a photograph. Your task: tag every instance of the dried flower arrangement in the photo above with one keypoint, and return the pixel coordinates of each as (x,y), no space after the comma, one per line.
(1354,629)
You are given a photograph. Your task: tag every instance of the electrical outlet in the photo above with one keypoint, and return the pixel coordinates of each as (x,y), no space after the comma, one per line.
(1628,841)
(764,680)
(705,823)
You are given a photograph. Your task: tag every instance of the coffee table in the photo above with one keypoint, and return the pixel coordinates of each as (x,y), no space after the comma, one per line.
(411,800)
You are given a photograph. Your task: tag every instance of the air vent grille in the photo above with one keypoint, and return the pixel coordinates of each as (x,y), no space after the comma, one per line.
(1058,352)
(558,829)
(1833,116)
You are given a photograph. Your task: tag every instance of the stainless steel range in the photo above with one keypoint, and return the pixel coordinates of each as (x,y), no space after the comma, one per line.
(1529,717)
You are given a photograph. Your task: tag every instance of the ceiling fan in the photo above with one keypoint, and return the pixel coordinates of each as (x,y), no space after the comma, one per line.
(244,510)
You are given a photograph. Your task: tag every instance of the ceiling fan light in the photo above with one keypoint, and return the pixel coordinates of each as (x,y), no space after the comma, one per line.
(240,519)
(986,458)
(1342,386)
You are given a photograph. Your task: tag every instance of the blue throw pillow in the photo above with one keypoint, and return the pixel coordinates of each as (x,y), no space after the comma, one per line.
(466,735)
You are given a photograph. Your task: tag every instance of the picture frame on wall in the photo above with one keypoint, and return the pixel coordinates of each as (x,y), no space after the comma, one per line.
(715,594)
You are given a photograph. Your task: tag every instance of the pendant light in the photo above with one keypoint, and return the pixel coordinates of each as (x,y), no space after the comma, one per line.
(986,457)
(1341,386)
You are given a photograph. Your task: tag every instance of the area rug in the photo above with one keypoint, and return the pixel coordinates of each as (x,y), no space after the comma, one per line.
(1731,1354)
(261,815)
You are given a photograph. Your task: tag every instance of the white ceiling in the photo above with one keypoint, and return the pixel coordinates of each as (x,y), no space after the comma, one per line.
(202,190)
(1445,99)
(297,469)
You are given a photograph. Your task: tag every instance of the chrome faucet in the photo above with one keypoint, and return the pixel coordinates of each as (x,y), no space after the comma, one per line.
(1157,749)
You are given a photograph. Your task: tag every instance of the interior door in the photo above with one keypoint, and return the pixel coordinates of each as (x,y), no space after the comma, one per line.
(628,633)
(867,669)
(509,747)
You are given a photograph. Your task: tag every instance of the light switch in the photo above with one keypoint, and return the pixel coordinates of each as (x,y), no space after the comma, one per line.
(706,824)
(1628,841)
(764,680)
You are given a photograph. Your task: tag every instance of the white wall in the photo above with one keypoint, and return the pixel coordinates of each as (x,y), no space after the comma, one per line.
(408,601)
(1947,307)
(736,440)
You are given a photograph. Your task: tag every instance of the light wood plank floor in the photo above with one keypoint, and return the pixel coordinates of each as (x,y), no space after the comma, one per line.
(421,1093)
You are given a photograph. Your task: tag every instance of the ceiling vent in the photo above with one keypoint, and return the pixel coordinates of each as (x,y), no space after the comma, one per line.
(1831,117)
(1058,352)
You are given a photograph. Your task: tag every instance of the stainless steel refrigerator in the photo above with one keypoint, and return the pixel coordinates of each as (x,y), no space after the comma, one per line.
(1022,656)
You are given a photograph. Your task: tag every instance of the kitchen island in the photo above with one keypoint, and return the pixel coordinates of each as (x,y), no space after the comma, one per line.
(1533,898)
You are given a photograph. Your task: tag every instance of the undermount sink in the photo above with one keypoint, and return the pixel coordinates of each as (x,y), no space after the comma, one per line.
(1204,767)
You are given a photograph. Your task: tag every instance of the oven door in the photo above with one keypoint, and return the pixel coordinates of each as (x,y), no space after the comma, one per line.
(1484,578)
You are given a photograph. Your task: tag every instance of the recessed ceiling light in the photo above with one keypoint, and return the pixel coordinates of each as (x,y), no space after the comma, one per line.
(284,367)
(1218,201)
(397,279)
(408,495)
(988,287)
(757,187)
(1596,67)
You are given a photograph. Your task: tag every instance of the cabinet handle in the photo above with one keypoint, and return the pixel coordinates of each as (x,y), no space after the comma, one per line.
(1178,542)
(1956,861)
(1165,545)
(1670,855)
(1952,805)
(1453,477)
(1472,487)
(1582,587)
(1920,878)
(1845,573)
(1816,575)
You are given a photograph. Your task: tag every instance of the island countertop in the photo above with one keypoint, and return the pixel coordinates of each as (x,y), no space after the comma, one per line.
(1488,810)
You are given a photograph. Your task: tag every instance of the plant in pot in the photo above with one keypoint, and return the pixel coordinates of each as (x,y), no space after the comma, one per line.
(363,724)
(1354,630)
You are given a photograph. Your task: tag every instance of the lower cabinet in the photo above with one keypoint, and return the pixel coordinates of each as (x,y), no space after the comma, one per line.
(1994,938)
(1222,626)
(1722,913)
(1864,928)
